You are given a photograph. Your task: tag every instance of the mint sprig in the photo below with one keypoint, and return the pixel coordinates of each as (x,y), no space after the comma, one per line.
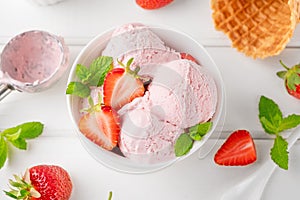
(90,76)
(17,136)
(185,141)
(274,123)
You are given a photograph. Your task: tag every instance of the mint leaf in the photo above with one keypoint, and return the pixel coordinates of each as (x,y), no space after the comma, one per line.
(268,126)
(27,130)
(92,76)
(3,151)
(20,143)
(279,153)
(98,69)
(78,89)
(12,134)
(183,144)
(198,131)
(289,122)
(270,115)
(17,136)
(83,73)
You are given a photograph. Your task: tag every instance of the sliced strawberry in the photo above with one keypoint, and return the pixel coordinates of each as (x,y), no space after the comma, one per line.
(238,150)
(188,57)
(153,4)
(101,127)
(291,78)
(121,86)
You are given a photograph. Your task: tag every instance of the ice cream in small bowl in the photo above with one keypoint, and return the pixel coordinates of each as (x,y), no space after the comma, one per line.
(143,97)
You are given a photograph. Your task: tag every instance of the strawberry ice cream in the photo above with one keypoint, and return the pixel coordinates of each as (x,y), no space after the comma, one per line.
(179,94)
(132,37)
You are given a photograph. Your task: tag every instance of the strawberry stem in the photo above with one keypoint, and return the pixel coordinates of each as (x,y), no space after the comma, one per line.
(129,62)
(110,195)
(21,189)
(286,67)
(134,72)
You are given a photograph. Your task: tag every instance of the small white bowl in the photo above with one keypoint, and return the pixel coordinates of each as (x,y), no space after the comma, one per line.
(174,39)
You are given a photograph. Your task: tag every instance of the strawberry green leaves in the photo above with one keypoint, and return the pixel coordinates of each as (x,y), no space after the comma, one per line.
(17,136)
(274,123)
(185,141)
(291,78)
(92,76)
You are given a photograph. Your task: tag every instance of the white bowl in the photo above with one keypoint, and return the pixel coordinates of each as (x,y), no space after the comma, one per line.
(184,43)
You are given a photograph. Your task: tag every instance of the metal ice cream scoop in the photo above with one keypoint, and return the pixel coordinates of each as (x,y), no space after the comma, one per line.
(31,62)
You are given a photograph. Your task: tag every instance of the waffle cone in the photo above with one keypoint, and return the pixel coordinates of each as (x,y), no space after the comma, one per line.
(258,28)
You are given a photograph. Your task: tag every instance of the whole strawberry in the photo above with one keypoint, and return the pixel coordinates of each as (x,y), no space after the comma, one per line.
(291,78)
(153,4)
(42,182)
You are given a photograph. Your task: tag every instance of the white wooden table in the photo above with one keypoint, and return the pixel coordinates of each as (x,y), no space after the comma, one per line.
(245,81)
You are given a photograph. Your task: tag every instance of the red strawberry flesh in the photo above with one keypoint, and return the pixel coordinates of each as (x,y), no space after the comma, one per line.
(295,93)
(121,88)
(188,57)
(101,127)
(238,150)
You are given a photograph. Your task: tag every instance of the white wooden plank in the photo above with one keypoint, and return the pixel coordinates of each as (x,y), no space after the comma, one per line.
(80,20)
(190,179)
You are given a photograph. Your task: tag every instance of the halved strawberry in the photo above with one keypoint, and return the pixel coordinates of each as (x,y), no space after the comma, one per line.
(291,78)
(238,150)
(101,126)
(121,86)
(153,4)
(188,57)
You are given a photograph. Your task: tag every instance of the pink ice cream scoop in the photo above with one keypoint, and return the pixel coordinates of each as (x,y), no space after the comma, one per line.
(145,138)
(142,57)
(137,38)
(180,95)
